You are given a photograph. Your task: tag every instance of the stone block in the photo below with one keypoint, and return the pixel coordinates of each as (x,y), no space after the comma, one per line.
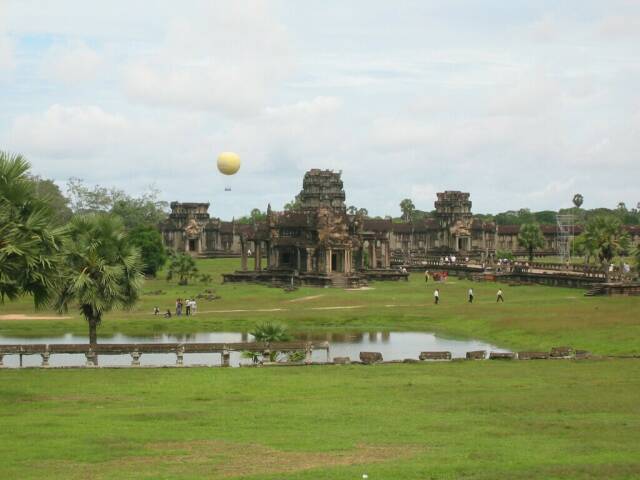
(561,352)
(533,355)
(502,356)
(370,357)
(477,355)
(410,360)
(435,356)
(582,354)
(341,360)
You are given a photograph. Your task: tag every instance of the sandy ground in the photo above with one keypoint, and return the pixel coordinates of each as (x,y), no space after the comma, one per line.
(32,317)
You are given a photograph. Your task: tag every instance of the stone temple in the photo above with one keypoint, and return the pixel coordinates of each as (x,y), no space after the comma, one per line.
(318,243)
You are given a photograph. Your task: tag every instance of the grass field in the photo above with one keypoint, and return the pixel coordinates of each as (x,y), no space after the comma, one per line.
(533,317)
(476,420)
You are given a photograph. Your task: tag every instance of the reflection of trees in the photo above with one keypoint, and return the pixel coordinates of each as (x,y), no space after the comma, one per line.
(386,336)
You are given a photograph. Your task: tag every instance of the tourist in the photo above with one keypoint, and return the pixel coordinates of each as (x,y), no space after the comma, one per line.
(426,276)
(194,307)
(499,297)
(470,295)
(156,310)
(188,307)
(178,307)
(436,296)
(167,314)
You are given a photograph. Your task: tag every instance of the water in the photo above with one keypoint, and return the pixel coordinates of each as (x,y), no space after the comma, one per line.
(392,345)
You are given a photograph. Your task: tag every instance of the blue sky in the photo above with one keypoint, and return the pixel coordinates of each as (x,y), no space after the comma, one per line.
(522,104)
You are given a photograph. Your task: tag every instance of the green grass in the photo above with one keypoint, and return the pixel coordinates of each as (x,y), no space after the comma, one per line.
(533,317)
(476,420)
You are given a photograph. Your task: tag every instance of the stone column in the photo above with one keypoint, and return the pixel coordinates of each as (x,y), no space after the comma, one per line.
(243,258)
(258,258)
(135,358)
(308,359)
(225,358)
(1,357)
(328,255)
(45,359)
(180,356)
(309,259)
(298,266)
(374,260)
(92,359)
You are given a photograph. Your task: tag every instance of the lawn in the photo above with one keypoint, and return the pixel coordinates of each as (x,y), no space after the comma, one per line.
(476,420)
(533,317)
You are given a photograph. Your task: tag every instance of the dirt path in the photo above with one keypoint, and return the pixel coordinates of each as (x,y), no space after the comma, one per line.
(16,316)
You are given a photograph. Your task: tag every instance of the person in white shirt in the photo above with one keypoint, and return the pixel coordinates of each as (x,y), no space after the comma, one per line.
(470,295)
(436,296)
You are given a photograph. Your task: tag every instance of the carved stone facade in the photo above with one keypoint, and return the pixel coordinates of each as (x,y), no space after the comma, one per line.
(189,228)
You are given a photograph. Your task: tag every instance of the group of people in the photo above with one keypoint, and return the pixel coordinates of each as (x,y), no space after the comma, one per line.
(190,307)
(470,296)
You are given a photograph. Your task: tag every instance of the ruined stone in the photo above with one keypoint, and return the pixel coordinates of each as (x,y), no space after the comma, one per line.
(435,356)
(502,356)
(370,357)
(582,354)
(533,355)
(561,352)
(410,360)
(477,355)
(341,360)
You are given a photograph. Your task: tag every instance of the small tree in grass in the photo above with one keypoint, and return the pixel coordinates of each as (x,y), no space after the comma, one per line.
(102,269)
(183,266)
(531,238)
(271,332)
(608,238)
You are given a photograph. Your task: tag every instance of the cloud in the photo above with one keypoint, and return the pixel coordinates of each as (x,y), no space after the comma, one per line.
(6,53)
(619,26)
(226,60)
(61,131)
(72,63)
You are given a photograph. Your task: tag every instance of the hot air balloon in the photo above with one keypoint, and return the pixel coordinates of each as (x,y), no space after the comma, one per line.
(228,163)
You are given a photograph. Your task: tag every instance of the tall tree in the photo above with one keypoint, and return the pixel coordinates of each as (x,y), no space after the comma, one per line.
(30,240)
(102,269)
(149,240)
(183,266)
(48,192)
(531,238)
(608,238)
(407,207)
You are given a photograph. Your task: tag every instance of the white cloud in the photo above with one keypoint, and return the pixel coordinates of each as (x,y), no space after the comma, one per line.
(226,60)
(67,131)
(6,45)
(72,64)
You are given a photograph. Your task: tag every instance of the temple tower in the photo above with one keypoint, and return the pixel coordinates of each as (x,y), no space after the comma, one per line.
(453,212)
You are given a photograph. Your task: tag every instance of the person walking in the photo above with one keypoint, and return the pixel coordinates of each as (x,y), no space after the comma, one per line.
(156,310)
(436,296)
(499,297)
(470,295)
(426,276)
(178,307)
(188,307)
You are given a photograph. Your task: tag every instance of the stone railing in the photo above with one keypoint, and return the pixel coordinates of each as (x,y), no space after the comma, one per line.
(136,350)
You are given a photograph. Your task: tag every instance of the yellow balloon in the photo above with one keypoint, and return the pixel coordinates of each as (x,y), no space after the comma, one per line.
(228,163)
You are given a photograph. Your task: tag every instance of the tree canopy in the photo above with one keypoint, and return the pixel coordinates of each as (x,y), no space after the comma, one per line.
(149,240)
(531,238)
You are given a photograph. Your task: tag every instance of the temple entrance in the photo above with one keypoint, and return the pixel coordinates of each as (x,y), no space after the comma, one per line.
(192,244)
(463,244)
(337,261)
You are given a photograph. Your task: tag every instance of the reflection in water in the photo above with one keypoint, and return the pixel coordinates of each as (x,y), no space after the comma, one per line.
(392,345)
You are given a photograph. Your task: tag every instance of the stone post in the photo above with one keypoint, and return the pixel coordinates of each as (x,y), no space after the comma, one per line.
(328,255)
(92,359)
(309,259)
(1,357)
(374,260)
(225,358)
(266,356)
(243,247)
(135,358)
(45,359)
(298,266)
(180,356)
(258,257)
(308,352)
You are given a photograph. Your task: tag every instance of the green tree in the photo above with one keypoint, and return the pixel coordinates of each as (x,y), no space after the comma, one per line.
(293,205)
(608,238)
(102,270)
(48,192)
(146,209)
(30,240)
(183,266)
(407,207)
(583,246)
(271,332)
(530,238)
(149,240)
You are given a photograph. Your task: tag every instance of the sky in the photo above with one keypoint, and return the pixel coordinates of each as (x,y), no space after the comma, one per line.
(521,103)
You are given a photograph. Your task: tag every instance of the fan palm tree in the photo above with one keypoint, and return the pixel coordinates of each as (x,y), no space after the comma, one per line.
(608,238)
(102,269)
(271,332)
(183,266)
(530,237)
(30,241)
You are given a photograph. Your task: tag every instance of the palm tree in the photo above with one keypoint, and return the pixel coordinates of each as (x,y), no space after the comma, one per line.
(531,237)
(608,239)
(102,269)
(271,332)
(30,241)
(183,266)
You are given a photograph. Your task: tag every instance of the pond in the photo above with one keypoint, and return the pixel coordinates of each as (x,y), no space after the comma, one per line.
(392,345)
